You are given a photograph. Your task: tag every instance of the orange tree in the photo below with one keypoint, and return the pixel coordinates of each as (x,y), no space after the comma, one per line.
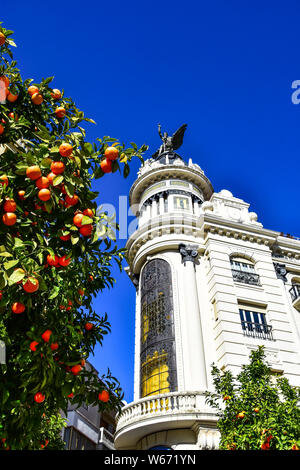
(56,254)
(255,411)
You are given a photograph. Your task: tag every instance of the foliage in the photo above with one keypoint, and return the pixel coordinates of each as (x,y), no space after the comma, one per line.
(255,410)
(31,136)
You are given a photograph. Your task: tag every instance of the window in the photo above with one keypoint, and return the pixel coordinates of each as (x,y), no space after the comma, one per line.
(295,290)
(158,353)
(76,441)
(181,203)
(253,321)
(243,271)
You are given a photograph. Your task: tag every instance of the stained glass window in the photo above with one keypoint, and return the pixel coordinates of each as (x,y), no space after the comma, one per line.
(158,355)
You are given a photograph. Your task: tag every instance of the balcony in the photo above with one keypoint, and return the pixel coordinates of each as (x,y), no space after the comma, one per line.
(257,330)
(295,295)
(106,438)
(245,277)
(176,410)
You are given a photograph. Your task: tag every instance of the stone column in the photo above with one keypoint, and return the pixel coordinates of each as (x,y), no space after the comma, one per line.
(194,357)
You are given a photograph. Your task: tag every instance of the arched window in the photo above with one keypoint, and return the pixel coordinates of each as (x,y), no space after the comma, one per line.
(158,354)
(243,270)
(295,292)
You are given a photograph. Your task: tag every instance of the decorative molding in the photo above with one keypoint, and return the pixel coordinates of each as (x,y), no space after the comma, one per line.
(281,271)
(188,253)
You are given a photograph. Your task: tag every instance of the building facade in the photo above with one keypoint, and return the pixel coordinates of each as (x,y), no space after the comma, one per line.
(211,285)
(88,428)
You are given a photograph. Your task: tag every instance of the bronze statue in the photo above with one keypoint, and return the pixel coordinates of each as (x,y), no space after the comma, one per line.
(170,143)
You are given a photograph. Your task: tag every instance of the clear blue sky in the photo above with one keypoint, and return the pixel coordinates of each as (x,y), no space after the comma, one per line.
(223,67)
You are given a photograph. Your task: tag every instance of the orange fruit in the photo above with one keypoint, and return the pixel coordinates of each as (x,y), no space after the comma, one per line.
(54,346)
(32,90)
(60,112)
(4,180)
(86,230)
(56,94)
(12,116)
(37,98)
(88,326)
(39,397)
(31,285)
(51,177)
(12,98)
(33,345)
(76,369)
(89,213)
(44,194)
(46,335)
(57,168)
(53,261)
(21,194)
(10,205)
(2,39)
(5,79)
(72,200)
(65,150)
(42,182)
(18,307)
(64,261)
(103,396)
(77,219)
(1,129)
(65,238)
(111,153)
(106,165)
(9,218)
(33,172)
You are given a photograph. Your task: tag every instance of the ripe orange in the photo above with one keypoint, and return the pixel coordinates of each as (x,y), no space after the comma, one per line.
(46,335)
(51,177)
(18,307)
(21,194)
(42,182)
(76,369)
(65,150)
(65,238)
(86,230)
(60,112)
(72,200)
(44,194)
(37,98)
(77,219)
(56,94)
(10,205)
(2,39)
(111,153)
(53,261)
(64,261)
(54,346)
(33,345)
(31,285)
(39,397)
(9,218)
(5,79)
(80,291)
(88,326)
(106,165)
(57,168)
(4,180)
(33,172)
(89,213)
(104,396)
(12,116)
(1,129)
(241,415)
(12,98)
(32,90)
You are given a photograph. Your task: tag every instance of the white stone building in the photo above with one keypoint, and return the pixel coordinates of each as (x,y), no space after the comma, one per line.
(211,284)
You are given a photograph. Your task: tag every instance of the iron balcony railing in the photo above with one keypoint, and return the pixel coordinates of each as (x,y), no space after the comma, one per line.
(257,330)
(295,292)
(246,278)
